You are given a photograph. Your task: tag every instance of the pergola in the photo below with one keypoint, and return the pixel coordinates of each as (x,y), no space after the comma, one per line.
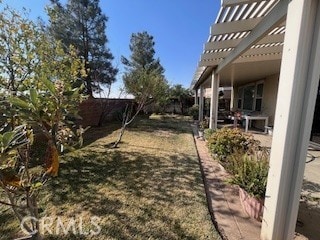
(243,44)
(255,38)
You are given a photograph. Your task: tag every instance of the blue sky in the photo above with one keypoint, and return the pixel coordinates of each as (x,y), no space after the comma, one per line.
(179,27)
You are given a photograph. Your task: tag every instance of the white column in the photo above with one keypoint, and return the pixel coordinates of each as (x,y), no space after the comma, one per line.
(232,99)
(215,81)
(201,103)
(196,100)
(299,79)
(232,89)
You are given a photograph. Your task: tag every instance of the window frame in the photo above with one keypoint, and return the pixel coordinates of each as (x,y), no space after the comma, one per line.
(241,89)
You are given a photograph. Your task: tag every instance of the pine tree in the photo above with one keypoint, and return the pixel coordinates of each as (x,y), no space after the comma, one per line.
(142,54)
(143,78)
(82,24)
(142,62)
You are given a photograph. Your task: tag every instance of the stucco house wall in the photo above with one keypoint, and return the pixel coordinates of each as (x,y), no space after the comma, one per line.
(269,98)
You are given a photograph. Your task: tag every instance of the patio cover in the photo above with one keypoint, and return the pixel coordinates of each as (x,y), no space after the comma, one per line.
(249,33)
(235,38)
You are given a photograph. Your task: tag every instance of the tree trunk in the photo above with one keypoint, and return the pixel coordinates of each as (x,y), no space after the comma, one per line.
(89,86)
(115,145)
(181,107)
(126,121)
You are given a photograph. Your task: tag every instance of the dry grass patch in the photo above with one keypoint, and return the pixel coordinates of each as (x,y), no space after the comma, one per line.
(149,188)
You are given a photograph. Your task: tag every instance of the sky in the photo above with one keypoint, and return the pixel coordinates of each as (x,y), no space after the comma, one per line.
(180,29)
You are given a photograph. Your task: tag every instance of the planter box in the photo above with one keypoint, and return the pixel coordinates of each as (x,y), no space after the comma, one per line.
(251,205)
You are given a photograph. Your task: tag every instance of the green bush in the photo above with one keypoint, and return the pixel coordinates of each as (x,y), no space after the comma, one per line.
(208,132)
(250,172)
(226,141)
(194,111)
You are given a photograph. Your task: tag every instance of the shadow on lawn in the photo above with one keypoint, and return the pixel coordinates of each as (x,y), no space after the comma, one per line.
(168,124)
(131,190)
(8,224)
(95,133)
(139,191)
(133,172)
(142,123)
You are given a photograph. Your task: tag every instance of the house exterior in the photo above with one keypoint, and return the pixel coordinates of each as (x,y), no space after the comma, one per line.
(268,52)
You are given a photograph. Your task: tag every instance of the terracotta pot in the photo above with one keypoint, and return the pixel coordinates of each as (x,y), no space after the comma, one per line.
(251,205)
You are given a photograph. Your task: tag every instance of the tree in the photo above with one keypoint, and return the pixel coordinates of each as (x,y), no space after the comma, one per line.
(178,92)
(82,24)
(17,49)
(142,71)
(40,94)
(143,78)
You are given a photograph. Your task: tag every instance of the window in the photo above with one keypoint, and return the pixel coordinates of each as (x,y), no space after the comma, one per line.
(259,97)
(250,97)
(240,93)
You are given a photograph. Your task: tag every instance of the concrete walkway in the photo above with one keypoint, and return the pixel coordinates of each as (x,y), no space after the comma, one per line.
(223,199)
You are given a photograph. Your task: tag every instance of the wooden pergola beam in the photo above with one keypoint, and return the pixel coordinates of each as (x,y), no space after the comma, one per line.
(276,38)
(251,52)
(230,3)
(215,55)
(234,26)
(207,63)
(273,19)
(260,58)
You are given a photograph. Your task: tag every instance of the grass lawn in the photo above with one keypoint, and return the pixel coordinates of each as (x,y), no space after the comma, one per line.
(148,188)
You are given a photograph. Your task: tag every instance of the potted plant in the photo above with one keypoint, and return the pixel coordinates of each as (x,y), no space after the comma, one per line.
(204,124)
(250,173)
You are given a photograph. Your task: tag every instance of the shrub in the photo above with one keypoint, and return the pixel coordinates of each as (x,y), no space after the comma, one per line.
(231,162)
(226,141)
(208,132)
(194,111)
(250,172)
(204,124)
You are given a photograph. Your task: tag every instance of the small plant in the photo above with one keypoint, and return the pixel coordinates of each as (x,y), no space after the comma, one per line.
(226,141)
(250,172)
(208,132)
(204,124)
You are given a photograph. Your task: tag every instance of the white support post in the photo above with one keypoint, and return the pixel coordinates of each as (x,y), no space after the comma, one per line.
(232,99)
(299,79)
(232,89)
(196,97)
(201,103)
(215,81)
